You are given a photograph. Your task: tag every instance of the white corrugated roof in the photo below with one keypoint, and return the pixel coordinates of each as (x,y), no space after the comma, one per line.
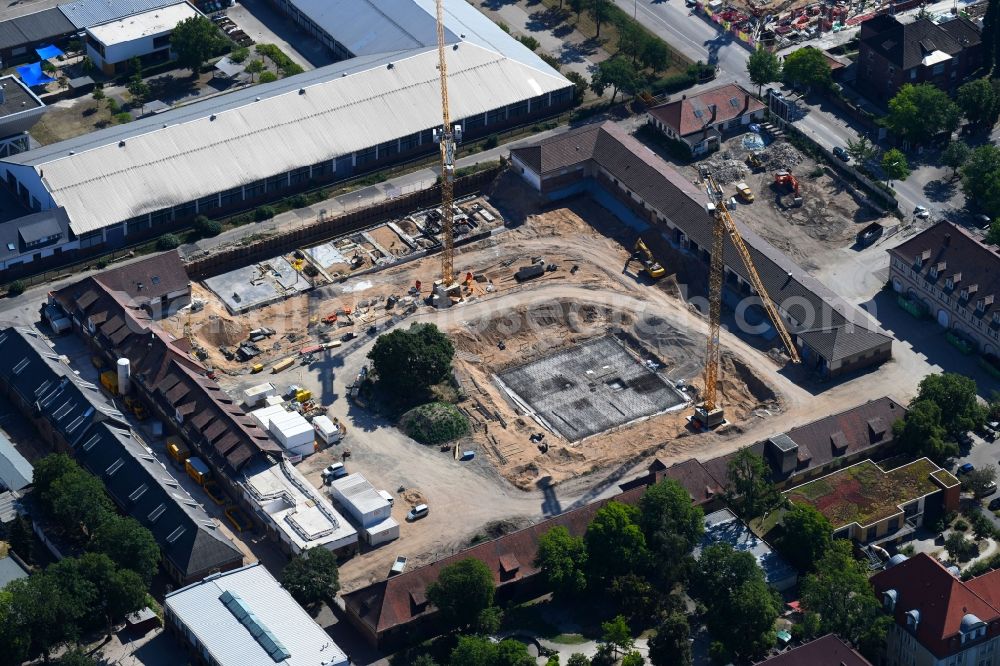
(230,642)
(106,183)
(375,26)
(357,491)
(152,22)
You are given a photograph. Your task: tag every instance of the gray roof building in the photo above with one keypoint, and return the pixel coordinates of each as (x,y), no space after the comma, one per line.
(724,527)
(16,473)
(10,571)
(35,28)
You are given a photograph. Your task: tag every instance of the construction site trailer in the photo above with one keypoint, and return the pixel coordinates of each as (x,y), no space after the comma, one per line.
(197,469)
(360,499)
(293,432)
(381,532)
(282,365)
(253,396)
(327,431)
(262,417)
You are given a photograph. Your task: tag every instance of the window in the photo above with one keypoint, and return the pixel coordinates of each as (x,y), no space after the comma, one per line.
(161,41)
(981,305)
(938,69)
(913,74)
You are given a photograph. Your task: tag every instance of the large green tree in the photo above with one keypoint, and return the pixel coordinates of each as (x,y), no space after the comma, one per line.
(764,67)
(919,112)
(462,592)
(128,544)
(671,644)
(955,395)
(50,468)
(920,432)
(409,361)
(862,149)
(980,102)
(894,165)
(563,561)
(481,651)
(750,490)
(981,179)
(807,535)
(955,156)
(807,67)
(616,633)
(672,526)
(991,36)
(194,41)
(312,576)
(599,11)
(76,501)
(615,543)
(619,74)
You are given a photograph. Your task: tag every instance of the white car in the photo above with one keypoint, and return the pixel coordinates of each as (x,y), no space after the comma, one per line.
(921,212)
(417,512)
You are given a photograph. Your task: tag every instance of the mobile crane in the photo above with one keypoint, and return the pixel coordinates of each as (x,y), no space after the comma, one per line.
(709,413)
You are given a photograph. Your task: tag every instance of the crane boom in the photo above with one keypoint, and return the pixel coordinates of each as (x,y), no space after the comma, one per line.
(722,225)
(447,142)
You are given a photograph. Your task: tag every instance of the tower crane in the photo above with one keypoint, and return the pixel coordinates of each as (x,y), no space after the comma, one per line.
(447,137)
(709,413)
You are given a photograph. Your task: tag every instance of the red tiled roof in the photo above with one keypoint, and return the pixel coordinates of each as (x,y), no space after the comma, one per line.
(690,114)
(396,601)
(830,650)
(695,479)
(923,584)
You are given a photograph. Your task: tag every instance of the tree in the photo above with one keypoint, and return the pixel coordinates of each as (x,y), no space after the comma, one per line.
(312,576)
(807,67)
(580,86)
(862,150)
(22,538)
(615,543)
(632,37)
(578,659)
(960,548)
(636,598)
(98,94)
(991,36)
(462,591)
(979,480)
(598,10)
(254,67)
(764,67)
(955,395)
(672,526)
(563,561)
(839,596)
(77,503)
(50,468)
(633,658)
(195,40)
(138,88)
(480,651)
(671,645)
(408,362)
(76,657)
(14,633)
(807,536)
(980,103)
(919,112)
(128,544)
(655,54)
(750,489)
(617,634)
(742,608)
(981,179)
(619,74)
(894,165)
(577,7)
(955,155)
(920,432)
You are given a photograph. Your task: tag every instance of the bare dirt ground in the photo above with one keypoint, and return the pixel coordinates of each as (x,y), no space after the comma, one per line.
(830,216)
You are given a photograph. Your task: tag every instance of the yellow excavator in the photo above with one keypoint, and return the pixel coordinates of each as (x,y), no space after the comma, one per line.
(649,263)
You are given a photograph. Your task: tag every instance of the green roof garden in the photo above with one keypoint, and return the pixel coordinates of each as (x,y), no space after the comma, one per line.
(865,494)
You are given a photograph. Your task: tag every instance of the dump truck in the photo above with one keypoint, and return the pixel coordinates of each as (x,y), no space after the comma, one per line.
(649,263)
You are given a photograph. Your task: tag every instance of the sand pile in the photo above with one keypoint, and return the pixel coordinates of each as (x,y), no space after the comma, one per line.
(221,331)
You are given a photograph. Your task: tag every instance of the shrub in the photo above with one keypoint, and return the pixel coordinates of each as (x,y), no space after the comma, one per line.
(113,106)
(15,288)
(961,525)
(298,201)
(123,117)
(167,242)
(551,61)
(503,26)
(263,213)
(434,423)
(492,141)
(206,227)
(267,77)
(529,41)
(239,54)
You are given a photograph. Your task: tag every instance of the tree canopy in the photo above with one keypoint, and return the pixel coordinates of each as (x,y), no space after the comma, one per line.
(462,591)
(671,524)
(670,645)
(955,156)
(73,498)
(480,651)
(862,149)
(807,67)
(619,74)
(979,101)
(615,543)
(764,67)
(894,165)
(919,112)
(129,545)
(955,395)
(920,432)
(616,633)
(806,537)
(750,489)
(563,561)
(981,179)
(195,40)
(408,362)
(991,35)
(980,480)
(312,576)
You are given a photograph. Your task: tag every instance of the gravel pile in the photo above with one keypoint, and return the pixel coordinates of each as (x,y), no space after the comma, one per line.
(781,155)
(726,170)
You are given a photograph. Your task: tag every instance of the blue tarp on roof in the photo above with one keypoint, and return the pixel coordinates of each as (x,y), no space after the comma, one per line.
(47,52)
(32,75)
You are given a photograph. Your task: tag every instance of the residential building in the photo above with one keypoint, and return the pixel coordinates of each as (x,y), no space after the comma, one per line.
(940,620)
(146,36)
(833,337)
(245,617)
(16,473)
(892,53)
(723,526)
(704,120)
(870,505)
(74,417)
(158,285)
(950,275)
(830,650)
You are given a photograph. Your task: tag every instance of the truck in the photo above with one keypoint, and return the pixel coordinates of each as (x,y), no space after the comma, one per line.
(649,263)
(530,272)
(56,319)
(869,234)
(744,192)
(398,566)
(197,469)
(177,450)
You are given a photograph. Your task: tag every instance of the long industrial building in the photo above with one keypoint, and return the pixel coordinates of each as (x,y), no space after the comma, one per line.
(134,181)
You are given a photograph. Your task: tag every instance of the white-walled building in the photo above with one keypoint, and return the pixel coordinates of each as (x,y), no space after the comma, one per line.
(366,506)
(145,35)
(290,429)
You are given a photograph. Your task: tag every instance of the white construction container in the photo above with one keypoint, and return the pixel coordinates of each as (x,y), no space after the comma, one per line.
(255,395)
(360,499)
(381,532)
(262,417)
(293,432)
(328,431)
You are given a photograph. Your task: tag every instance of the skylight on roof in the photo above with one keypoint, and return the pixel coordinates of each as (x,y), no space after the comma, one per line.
(11,247)
(733,103)
(697,113)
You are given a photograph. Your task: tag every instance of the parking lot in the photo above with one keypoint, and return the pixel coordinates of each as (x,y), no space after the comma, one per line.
(266,25)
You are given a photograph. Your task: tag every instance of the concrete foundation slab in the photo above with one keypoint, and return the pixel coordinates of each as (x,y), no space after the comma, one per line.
(258,285)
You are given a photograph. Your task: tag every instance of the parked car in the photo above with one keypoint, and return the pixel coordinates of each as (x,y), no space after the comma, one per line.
(994,504)
(417,512)
(965,468)
(988,489)
(348,336)
(982,221)
(841,154)
(334,471)
(921,212)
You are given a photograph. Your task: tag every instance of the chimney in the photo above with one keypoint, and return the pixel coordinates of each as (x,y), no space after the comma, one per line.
(947,239)
(746,103)
(714,111)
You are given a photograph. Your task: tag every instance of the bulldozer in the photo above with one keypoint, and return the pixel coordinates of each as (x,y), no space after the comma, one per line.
(649,263)
(787,181)
(755,163)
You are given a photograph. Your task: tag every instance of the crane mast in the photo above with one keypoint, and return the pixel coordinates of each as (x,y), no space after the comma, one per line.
(446,137)
(709,413)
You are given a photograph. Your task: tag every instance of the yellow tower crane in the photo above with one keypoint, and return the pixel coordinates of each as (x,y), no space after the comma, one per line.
(709,413)
(448,137)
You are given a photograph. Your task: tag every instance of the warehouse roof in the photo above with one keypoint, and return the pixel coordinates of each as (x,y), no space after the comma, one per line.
(357,490)
(32,28)
(15,472)
(148,23)
(87,13)
(245,617)
(236,139)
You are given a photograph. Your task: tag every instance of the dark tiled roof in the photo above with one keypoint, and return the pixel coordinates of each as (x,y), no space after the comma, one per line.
(399,600)
(15,233)
(693,476)
(829,650)
(665,190)
(923,584)
(954,253)
(906,44)
(691,113)
(148,279)
(40,26)
(104,445)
